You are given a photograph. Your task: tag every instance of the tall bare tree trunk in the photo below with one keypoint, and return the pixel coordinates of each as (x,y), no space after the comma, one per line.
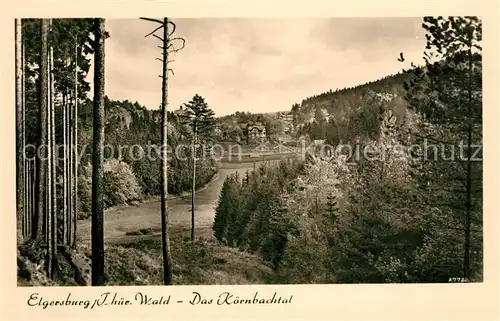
(97,157)
(48,226)
(468,202)
(30,196)
(19,132)
(28,202)
(69,127)
(25,203)
(41,178)
(193,190)
(75,151)
(167,268)
(34,190)
(26,194)
(53,171)
(69,168)
(53,243)
(64,236)
(69,164)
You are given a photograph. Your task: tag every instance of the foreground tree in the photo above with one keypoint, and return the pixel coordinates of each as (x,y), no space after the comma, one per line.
(43,129)
(447,94)
(167,259)
(51,228)
(167,47)
(97,157)
(73,137)
(20,170)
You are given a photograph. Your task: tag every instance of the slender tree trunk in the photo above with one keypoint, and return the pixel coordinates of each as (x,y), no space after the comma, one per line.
(32,189)
(19,132)
(193,190)
(53,214)
(97,158)
(75,150)
(67,153)
(26,200)
(29,202)
(69,127)
(468,203)
(47,192)
(65,213)
(29,183)
(167,269)
(41,178)
(26,211)
(48,225)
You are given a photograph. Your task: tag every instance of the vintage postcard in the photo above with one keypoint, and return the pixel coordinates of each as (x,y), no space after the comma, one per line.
(281,160)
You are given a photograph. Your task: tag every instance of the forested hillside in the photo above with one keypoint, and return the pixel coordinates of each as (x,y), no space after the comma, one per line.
(132,167)
(402,204)
(350,113)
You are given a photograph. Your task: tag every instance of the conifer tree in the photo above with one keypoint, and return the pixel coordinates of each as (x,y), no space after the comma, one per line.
(20,168)
(41,195)
(447,93)
(222,210)
(201,119)
(234,209)
(97,157)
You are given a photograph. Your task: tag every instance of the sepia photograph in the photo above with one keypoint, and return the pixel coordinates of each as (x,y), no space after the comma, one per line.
(248,151)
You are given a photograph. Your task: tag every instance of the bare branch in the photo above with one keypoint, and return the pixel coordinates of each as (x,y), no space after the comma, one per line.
(168,70)
(183,44)
(151,19)
(152,32)
(163,25)
(174,27)
(171,45)
(162,60)
(158,37)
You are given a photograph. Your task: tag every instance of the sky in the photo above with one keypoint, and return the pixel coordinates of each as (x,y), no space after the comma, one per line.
(256,65)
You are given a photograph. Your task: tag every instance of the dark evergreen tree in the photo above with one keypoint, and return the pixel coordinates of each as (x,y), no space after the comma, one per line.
(447,93)
(201,119)
(221,212)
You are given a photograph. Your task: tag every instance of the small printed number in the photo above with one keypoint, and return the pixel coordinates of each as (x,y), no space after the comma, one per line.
(457,280)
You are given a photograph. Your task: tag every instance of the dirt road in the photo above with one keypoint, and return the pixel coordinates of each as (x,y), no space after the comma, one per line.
(119,221)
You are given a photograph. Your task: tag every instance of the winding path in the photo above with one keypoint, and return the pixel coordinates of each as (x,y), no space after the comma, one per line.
(119,221)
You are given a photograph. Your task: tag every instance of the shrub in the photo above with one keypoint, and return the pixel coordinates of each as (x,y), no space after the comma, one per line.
(119,186)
